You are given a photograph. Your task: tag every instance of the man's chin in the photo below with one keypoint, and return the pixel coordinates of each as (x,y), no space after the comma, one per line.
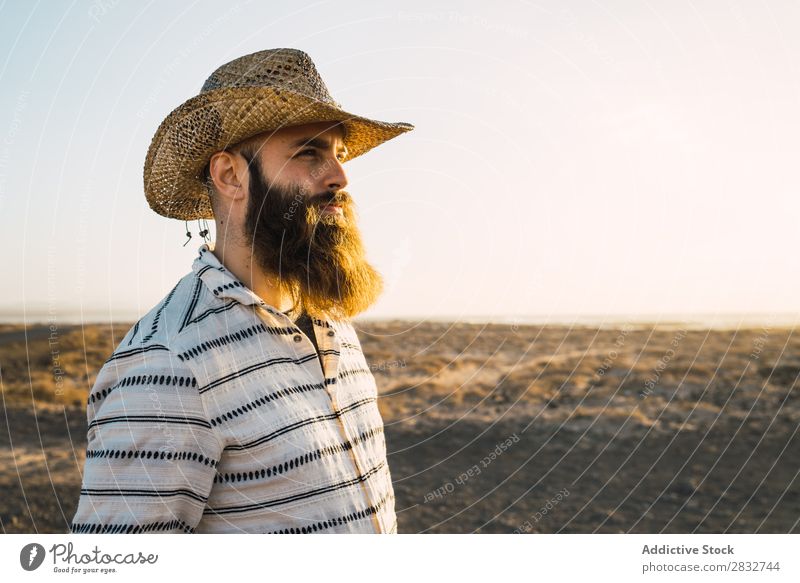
(332,219)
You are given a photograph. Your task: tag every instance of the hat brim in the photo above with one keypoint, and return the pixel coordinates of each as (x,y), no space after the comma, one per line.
(212,121)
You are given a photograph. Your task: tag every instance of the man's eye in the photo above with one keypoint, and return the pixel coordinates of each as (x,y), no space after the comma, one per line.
(313,152)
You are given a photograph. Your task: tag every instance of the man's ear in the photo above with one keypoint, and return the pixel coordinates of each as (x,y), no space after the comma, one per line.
(228,173)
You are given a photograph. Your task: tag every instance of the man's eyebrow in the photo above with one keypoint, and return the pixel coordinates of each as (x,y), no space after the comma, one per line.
(316,142)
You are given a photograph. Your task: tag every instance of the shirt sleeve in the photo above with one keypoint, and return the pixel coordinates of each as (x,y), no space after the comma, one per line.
(151,452)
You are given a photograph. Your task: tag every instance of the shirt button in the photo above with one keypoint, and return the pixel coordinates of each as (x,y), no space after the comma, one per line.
(331,332)
(297,338)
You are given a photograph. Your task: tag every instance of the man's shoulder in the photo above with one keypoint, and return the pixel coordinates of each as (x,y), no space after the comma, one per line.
(160,326)
(191,313)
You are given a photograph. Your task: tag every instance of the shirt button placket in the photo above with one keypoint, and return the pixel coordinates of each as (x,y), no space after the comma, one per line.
(330,334)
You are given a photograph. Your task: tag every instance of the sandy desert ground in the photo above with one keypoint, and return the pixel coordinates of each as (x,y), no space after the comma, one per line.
(494,428)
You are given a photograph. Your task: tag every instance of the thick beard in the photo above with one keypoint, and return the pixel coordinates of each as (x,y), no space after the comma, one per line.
(318,259)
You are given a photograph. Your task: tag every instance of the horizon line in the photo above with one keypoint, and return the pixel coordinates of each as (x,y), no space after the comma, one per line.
(703,319)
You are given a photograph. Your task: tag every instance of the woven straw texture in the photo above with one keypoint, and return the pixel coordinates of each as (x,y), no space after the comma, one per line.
(256,93)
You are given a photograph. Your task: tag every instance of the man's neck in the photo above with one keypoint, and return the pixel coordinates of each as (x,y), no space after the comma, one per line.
(239,261)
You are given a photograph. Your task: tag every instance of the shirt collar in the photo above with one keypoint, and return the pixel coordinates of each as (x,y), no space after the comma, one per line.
(221,282)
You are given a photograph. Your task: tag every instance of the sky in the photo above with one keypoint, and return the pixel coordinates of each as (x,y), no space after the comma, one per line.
(611,159)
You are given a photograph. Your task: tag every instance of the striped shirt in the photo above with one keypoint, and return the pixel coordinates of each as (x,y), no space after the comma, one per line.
(215,415)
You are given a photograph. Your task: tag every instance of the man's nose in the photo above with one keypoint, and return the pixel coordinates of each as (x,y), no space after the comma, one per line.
(335,176)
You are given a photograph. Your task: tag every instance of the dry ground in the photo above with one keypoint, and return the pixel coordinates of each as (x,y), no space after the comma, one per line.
(605,430)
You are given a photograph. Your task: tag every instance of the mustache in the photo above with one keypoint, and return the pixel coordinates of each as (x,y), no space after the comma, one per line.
(340,198)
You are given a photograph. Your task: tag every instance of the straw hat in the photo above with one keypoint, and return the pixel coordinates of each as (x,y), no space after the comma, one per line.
(250,95)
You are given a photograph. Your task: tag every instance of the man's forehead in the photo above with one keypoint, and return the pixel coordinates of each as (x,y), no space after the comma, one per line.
(328,130)
(318,134)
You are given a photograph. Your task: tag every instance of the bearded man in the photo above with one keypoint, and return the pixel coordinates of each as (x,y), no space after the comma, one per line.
(242,402)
